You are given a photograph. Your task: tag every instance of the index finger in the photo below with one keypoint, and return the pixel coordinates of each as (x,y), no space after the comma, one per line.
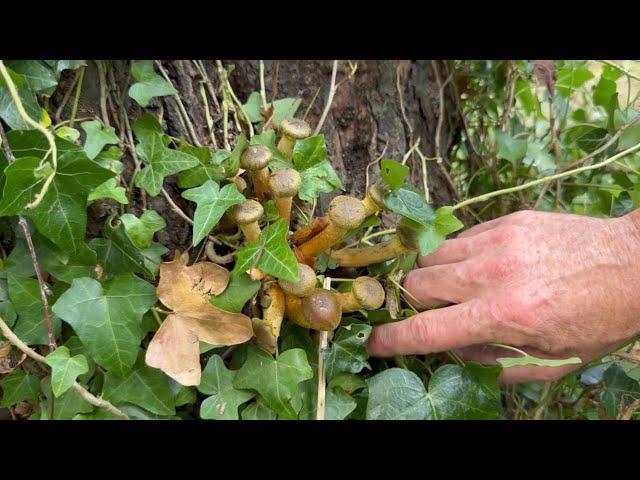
(435,330)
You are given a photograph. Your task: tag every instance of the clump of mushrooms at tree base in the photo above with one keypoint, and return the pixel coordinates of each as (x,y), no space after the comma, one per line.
(299,298)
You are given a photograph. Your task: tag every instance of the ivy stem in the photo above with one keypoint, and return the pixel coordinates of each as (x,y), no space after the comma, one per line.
(332,92)
(549,179)
(83,392)
(42,129)
(76,98)
(34,258)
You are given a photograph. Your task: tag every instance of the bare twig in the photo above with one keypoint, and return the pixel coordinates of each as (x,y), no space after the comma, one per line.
(183,111)
(323,342)
(83,392)
(76,98)
(263,91)
(103,92)
(402,110)
(176,208)
(332,92)
(67,96)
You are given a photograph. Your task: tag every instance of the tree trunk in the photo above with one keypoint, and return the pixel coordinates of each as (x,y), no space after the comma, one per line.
(365,123)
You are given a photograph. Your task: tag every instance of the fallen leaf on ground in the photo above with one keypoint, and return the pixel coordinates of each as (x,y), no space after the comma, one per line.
(174,348)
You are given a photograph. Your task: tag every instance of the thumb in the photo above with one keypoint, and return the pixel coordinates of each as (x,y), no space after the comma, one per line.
(436,330)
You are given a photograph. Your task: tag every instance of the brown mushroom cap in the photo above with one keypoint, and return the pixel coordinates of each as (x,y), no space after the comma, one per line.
(285,182)
(322,310)
(368,292)
(248,211)
(295,128)
(255,157)
(346,212)
(304,286)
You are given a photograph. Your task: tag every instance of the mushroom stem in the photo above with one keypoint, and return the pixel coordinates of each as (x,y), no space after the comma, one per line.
(255,159)
(369,255)
(319,311)
(285,184)
(283,204)
(373,200)
(345,213)
(267,329)
(286,145)
(260,180)
(251,231)
(305,233)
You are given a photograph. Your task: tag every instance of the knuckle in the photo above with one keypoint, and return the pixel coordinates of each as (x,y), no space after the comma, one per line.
(505,266)
(421,331)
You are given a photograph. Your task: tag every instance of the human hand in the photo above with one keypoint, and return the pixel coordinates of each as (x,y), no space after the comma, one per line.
(555,285)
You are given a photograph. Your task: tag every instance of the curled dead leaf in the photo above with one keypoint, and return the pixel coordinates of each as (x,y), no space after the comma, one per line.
(174,348)
(546,73)
(184,288)
(10,358)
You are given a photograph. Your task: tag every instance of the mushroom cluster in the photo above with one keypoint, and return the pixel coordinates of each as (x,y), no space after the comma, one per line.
(304,302)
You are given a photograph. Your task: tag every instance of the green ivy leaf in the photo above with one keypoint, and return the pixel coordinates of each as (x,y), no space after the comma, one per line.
(146,387)
(464,393)
(65,369)
(212,202)
(238,292)
(232,163)
(61,215)
(67,405)
(224,399)
(507,362)
(309,152)
(258,411)
(571,76)
(148,83)
(510,148)
(409,202)
(107,317)
(97,137)
(39,76)
(109,189)
(393,173)
(18,386)
(397,394)
(209,168)
(283,108)
(619,390)
(320,178)
(585,137)
(268,139)
(446,222)
(30,327)
(539,157)
(118,254)
(9,111)
(273,255)
(161,161)
(141,230)
(69,134)
(347,353)
(275,380)
(428,236)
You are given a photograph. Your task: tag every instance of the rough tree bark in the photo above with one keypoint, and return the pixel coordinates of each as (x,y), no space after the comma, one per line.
(365,120)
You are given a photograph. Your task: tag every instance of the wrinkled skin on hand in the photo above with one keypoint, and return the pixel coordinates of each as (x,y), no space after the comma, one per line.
(555,285)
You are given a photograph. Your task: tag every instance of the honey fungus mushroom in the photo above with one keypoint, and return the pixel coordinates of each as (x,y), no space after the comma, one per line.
(345,213)
(404,241)
(292,129)
(284,184)
(255,159)
(366,294)
(305,285)
(320,310)
(246,216)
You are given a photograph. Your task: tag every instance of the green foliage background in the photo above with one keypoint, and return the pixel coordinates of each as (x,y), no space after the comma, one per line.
(523,121)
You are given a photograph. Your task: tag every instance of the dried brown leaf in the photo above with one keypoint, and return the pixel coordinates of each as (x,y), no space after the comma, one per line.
(174,348)
(546,73)
(10,358)
(186,289)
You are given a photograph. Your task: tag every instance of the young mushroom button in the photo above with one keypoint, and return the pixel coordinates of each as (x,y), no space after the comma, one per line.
(366,294)
(246,215)
(256,160)
(285,184)
(345,213)
(292,129)
(304,286)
